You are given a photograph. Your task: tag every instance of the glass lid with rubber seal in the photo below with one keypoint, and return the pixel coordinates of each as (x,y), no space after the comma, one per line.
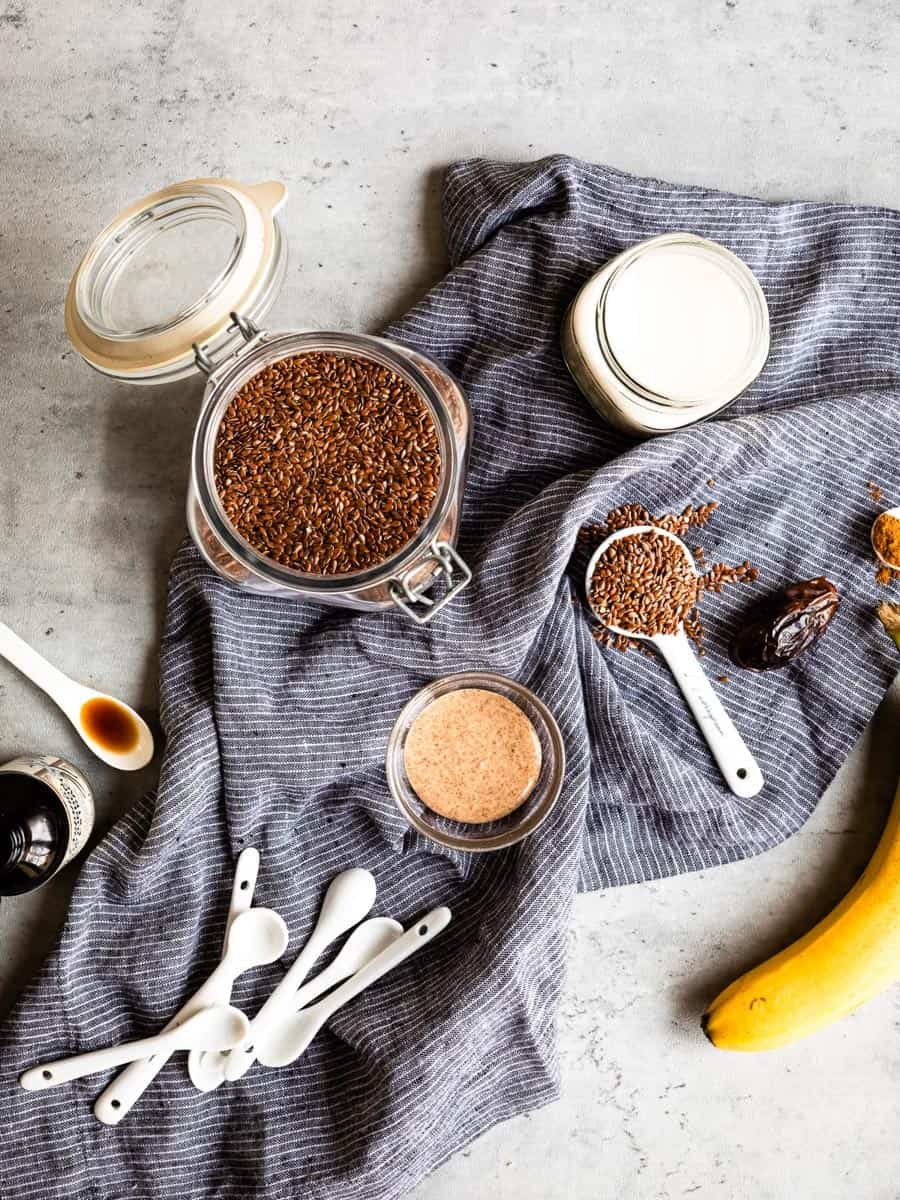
(177,279)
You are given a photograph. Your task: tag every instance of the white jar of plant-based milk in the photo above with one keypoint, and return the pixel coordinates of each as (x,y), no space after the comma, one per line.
(669,332)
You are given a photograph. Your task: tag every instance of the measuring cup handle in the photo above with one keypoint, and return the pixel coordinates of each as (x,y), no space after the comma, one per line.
(738,766)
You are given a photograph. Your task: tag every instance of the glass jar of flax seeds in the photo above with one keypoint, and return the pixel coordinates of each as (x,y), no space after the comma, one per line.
(328,467)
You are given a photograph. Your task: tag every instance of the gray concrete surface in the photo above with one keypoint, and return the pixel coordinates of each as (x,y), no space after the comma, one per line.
(357,106)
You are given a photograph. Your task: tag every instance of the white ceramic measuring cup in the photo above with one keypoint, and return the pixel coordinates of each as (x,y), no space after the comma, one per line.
(738,766)
(214,1028)
(888,512)
(348,899)
(286,1043)
(118,1099)
(72,697)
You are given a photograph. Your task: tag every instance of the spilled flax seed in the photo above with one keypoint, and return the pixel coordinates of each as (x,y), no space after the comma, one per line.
(327,463)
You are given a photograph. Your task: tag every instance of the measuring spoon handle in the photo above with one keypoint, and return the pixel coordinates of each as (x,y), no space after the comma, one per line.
(34,666)
(738,766)
(417,936)
(242,888)
(64,1070)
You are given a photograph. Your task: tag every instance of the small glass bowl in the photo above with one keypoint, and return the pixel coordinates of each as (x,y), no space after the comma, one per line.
(493,835)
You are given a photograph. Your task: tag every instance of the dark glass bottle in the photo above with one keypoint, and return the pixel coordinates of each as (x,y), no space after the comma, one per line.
(46,816)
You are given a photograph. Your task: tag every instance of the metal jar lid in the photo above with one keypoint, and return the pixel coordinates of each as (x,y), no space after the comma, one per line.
(167,275)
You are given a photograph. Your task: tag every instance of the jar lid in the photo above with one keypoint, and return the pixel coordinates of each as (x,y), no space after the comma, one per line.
(683,321)
(166,277)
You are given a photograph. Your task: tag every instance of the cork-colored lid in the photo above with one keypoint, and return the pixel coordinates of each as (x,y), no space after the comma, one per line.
(167,274)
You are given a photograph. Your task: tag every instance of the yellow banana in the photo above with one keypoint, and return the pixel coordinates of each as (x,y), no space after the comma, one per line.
(849,957)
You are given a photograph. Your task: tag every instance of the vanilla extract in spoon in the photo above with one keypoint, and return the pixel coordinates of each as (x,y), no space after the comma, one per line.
(109,728)
(109,724)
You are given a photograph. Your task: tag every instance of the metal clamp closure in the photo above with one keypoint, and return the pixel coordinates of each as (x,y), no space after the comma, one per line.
(414,601)
(248,331)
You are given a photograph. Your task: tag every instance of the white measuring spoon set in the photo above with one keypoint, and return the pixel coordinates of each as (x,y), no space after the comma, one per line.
(349,898)
(286,1041)
(222,1043)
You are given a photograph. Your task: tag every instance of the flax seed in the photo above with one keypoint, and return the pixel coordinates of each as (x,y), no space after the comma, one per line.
(326,463)
(644,584)
(644,588)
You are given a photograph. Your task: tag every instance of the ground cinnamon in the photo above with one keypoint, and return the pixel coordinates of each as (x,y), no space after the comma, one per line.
(886,538)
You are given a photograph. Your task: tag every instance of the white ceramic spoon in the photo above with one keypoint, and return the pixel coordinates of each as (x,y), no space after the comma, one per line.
(72,698)
(214,1028)
(888,512)
(291,1038)
(207,1068)
(118,1099)
(348,899)
(738,766)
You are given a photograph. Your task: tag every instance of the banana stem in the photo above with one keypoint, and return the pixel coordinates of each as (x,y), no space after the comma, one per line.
(889,615)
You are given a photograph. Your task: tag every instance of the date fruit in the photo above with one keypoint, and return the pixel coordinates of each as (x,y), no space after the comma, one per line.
(785,625)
